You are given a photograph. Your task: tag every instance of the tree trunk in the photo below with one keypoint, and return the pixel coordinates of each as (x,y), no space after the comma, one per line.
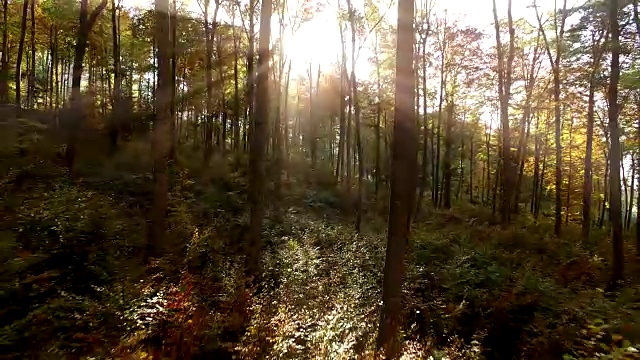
(356,106)
(161,132)
(236,95)
(606,189)
(403,185)
(631,192)
(250,74)
(258,143)
(588,178)
(614,181)
(209,35)
(78,111)
(569,180)
(31,87)
(4,63)
(504,92)
(23,32)
(443,80)
(117,82)
(446,162)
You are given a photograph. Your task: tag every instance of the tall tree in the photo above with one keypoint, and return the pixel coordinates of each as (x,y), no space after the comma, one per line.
(598,36)
(4,63)
(161,131)
(403,183)
(31,83)
(117,78)
(77,115)
(504,95)
(554,61)
(23,32)
(615,153)
(258,144)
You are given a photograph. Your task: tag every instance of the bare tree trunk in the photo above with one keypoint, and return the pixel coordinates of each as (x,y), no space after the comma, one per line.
(78,112)
(236,95)
(588,178)
(446,162)
(504,92)
(443,80)
(614,182)
(23,32)
(209,35)
(555,65)
(356,106)
(161,132)
(258,144)
(117,78)
(31,87)
(403,185)
(4,63)
(568,206)
(631,192)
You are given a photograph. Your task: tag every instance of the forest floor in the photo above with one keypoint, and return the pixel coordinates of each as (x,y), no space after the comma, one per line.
(72,282)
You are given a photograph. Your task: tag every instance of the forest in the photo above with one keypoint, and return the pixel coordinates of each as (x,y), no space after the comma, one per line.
(326,179)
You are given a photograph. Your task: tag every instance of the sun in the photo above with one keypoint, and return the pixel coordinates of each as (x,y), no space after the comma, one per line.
(315,42)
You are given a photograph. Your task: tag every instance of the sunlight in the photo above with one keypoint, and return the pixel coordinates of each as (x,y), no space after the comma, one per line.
(316,42)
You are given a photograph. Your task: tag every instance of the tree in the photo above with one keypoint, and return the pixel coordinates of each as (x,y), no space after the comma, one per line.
(77,115)
(258,144)
(504,94)
(161,131)
(614,130)
(117,76)
(4,62)
(403,184)
(554,61)
(23,32)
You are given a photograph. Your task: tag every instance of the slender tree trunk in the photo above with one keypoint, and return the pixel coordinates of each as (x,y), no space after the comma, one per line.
(4,63)
(23,32)
(403,185)
(236,96)
(588,178)
(638,162)
(446,163)
(117,82)
(251,73)
(504,91)
(536,167)
(631,192)
(78,112)
(443,81)
(614,182)
(31,87)
(258,144)
(555,65)
(161,132)
(570,179)
(606,192)
(356,106)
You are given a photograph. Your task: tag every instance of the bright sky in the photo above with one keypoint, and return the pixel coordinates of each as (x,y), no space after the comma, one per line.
(318,40)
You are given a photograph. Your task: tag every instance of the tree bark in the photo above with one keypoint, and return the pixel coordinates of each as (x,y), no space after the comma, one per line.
(78,111)
(504,93)
(403,185)
(555,65)
(161,132)
(31,87)
(258,144)
(4,63)
(23,32)
(614,181)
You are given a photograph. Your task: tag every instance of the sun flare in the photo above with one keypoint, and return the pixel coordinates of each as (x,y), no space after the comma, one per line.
(315,42)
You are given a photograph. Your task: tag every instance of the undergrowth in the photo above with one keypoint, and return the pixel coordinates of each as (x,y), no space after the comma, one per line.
(72,281)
